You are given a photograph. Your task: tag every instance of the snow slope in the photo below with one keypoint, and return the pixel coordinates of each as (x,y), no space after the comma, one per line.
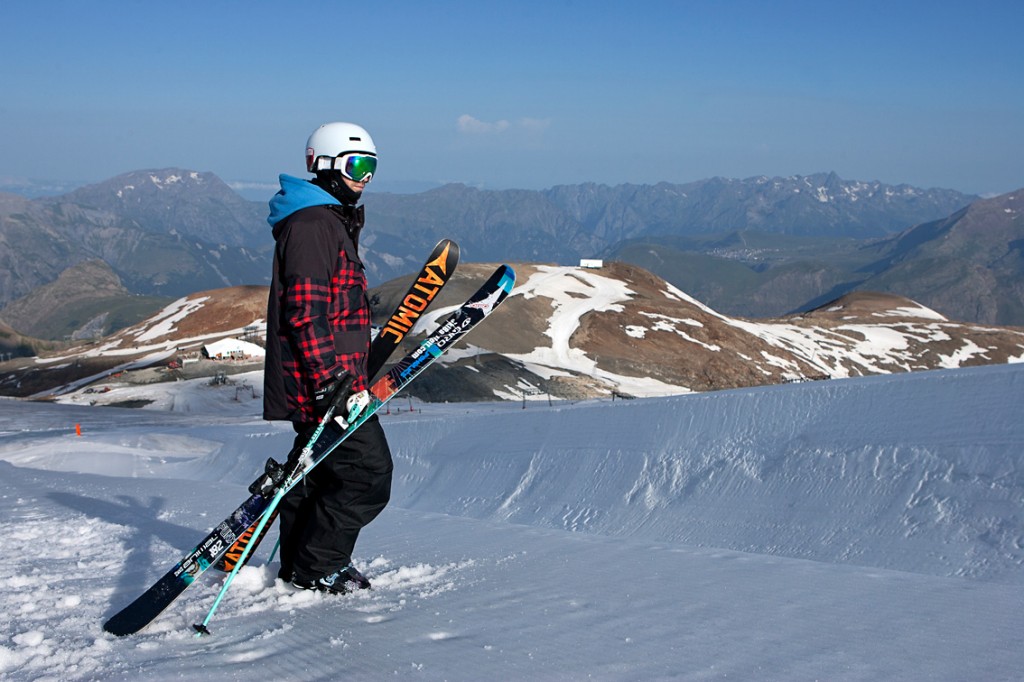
(856,529)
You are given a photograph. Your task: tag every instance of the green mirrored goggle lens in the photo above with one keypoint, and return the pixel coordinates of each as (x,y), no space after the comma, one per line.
(359,167)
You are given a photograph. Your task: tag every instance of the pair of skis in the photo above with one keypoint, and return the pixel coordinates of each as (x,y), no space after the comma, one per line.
(267,491)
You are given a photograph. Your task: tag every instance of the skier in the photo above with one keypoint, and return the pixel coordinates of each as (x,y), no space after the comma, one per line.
(318,339)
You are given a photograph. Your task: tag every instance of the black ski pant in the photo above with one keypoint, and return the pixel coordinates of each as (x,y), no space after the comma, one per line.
(321,516)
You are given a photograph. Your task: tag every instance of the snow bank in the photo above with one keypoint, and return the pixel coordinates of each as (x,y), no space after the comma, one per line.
(918,472)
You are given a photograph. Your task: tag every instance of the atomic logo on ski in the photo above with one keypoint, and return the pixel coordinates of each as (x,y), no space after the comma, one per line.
(423,291)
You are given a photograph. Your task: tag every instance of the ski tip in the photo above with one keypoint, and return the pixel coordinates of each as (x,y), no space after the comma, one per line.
(508,277)
(449,245)
(445,256)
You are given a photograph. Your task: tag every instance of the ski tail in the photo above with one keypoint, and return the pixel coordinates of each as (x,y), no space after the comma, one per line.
(169,587)
(435,273)
(460,323)
(211,549)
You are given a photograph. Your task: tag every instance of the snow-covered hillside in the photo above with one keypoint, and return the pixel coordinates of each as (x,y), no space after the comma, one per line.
(856,529)
(574,333)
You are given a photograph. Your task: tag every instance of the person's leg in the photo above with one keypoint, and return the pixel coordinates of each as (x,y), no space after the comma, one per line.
(295,508)
(352,486)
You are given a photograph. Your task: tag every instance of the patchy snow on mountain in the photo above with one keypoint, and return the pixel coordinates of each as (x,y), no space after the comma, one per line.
(162,324)
(572,333)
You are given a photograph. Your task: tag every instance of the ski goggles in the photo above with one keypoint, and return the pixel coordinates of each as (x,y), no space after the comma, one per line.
(356,167)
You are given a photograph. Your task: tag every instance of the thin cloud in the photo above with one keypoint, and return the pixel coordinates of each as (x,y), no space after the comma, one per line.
(474,126)
(469,125)
(244,185)
(535,125)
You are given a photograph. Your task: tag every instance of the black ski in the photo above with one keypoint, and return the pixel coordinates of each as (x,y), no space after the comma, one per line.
(432,277)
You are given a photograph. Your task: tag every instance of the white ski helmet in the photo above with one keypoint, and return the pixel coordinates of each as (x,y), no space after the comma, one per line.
(331,141)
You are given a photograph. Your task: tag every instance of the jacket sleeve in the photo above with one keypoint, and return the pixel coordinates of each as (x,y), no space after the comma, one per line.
(308,255)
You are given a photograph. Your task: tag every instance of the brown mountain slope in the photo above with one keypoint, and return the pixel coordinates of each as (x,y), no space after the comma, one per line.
(575,333)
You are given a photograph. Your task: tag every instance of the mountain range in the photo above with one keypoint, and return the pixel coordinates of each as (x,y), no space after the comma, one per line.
(163,233)
(759,247)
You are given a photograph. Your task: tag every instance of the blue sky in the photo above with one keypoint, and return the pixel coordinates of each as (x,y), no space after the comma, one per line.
(520,95)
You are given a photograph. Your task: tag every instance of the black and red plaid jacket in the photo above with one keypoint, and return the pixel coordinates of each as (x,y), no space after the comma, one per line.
(318,315)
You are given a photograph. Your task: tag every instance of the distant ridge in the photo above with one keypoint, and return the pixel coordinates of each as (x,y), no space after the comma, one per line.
(758,247)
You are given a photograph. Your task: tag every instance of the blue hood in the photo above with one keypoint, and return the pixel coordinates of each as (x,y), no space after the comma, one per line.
(296,194)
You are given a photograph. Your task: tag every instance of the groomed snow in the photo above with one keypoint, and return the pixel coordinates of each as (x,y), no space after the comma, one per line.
(855,529)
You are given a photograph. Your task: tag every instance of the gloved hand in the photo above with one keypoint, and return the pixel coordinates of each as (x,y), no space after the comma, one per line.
(338,393)
(333,392)
(354,406)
